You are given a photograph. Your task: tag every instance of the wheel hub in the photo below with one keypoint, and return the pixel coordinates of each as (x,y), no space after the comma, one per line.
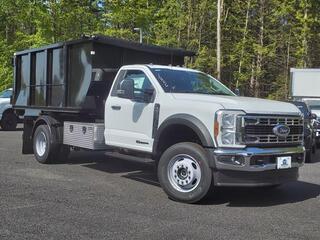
(41,143)
(184,173)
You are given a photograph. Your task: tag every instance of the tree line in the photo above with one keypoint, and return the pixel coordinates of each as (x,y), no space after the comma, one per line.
(247,44)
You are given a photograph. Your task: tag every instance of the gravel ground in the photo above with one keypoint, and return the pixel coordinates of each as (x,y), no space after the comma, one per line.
(103,196)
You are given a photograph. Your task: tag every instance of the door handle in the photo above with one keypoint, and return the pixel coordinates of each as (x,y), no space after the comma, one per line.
(116,107)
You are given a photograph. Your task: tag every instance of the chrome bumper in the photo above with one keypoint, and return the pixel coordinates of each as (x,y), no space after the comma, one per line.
(250,152)
(248,174)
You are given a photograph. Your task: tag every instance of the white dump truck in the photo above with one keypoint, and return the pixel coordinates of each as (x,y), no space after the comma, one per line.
(106,94)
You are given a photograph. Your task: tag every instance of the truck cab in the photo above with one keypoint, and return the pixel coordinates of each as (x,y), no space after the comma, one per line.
(182,115)
(198,132)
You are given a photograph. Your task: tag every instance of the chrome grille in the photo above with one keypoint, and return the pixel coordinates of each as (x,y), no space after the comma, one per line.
(258,130)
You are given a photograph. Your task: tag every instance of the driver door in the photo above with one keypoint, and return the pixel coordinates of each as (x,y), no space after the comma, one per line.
(129,122)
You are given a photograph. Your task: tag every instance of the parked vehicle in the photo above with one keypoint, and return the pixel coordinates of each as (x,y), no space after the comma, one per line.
(305,87)
(8,118)
(315,109)
(309,129)
(106,94)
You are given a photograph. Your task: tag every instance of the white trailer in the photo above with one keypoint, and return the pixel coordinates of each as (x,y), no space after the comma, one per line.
(305,83)
(305,87)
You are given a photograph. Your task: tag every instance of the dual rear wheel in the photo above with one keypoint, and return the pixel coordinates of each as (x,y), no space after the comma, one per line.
(46,149)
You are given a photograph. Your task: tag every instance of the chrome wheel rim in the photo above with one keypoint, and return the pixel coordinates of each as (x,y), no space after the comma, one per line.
(41,143)
(184,173)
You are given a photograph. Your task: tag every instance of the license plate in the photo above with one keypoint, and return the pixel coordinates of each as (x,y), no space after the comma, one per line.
(284,162)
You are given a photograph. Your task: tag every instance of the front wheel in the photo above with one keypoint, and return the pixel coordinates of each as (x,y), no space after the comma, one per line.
(308,156)
(314,148)
(184,172)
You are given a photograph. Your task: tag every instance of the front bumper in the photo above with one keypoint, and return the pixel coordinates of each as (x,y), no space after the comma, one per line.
(255,166)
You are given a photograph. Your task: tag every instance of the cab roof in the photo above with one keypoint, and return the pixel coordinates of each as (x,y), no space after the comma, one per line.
(152,66)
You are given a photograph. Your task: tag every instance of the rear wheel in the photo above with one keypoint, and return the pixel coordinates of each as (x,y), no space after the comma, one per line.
(184,172)
(308,156)
(45,149)
(9,121)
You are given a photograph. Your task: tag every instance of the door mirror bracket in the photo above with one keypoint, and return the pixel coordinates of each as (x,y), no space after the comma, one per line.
(148,94)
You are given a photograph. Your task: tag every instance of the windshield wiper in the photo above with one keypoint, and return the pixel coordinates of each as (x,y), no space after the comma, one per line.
(222,93)
(201,92)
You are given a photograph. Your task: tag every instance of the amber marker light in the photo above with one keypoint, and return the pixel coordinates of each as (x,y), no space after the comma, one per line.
(216,129)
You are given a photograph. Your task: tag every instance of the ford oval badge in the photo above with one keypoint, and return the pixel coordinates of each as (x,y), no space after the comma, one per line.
(281,130)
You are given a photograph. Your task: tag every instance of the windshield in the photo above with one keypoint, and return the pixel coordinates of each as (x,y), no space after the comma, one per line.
(314,107)
(5,94)
(182,81)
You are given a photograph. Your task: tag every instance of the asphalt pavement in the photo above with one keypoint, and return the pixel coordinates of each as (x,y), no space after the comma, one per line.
(106,196)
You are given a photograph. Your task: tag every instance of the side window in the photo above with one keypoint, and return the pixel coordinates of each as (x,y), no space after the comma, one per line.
(142,84)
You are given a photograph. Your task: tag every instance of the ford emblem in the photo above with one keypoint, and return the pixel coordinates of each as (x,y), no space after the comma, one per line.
(281,130)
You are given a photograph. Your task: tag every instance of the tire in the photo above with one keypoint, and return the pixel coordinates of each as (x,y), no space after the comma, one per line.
(184,172)
(9,121)
(308,156)
(45,149)
(64,152)
(314,149)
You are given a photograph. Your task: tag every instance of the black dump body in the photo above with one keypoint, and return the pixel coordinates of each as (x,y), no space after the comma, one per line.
(76,76)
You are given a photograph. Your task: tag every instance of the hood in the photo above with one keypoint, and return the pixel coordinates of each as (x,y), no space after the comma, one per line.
(247,104)
(4,101)
(316,111)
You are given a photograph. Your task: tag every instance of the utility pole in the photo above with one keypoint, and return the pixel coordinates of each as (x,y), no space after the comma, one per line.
(140,30)
(219,39)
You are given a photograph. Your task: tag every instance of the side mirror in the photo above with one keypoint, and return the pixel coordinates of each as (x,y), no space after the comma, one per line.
(313,116)
(126,89)
(237,91)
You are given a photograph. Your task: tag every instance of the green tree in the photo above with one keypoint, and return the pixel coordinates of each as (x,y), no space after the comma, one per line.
(260,39)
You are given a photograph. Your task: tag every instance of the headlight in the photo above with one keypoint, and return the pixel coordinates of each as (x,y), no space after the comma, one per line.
(227,129)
